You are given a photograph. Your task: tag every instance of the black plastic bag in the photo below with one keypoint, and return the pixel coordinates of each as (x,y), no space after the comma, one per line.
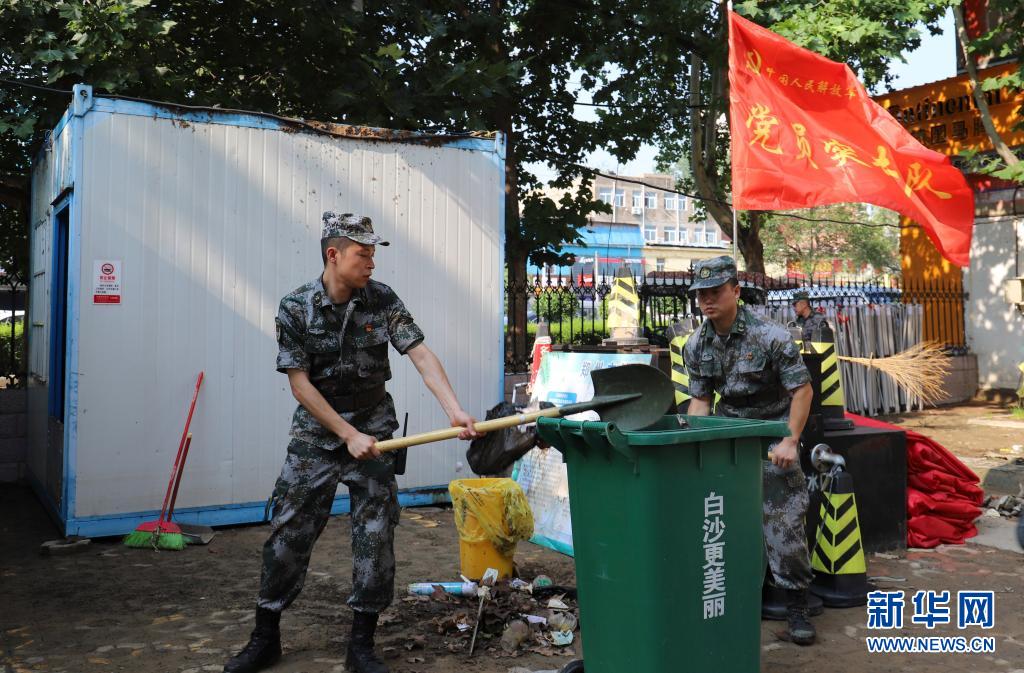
(497,450)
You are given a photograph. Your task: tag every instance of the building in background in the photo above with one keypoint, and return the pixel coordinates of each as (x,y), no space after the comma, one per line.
(650,228)
(943,117)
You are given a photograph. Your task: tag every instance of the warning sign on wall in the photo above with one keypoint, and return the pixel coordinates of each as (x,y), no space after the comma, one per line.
(106,281)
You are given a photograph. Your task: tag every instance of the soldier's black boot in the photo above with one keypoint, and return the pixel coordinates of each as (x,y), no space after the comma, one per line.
(361,658)
(263,648)
(801,631)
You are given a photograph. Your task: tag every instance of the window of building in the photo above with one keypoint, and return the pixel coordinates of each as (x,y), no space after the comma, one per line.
(650,200)
(698,235)
(711,236)
(604,194)
(670,235)
(620,198)
(650,233)
(636,198)
(670,202)
(681,202)
(660,264)
(684,236)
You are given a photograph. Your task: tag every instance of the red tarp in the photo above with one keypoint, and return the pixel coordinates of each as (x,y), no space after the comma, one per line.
(943,496)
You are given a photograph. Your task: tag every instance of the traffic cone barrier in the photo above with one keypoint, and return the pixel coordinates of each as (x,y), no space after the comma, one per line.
(624,311)
(680,379)
(840,572)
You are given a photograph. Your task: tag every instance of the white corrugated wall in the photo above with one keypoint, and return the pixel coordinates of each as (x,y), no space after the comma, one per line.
(214,223)
(995,328)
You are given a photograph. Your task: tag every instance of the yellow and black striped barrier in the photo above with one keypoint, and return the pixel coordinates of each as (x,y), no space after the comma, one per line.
(623,304)
(680,380)
(831,387)
(840,572)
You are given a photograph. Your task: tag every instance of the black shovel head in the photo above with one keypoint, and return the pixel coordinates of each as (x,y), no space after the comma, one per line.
(651,395)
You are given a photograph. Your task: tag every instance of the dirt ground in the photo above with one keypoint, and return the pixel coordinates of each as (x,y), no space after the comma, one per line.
(982,434)
(110,608)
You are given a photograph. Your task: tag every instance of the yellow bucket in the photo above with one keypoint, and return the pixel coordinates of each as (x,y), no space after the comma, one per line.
(491,515)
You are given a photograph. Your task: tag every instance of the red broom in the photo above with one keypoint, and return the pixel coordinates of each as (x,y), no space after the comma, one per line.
(162,533)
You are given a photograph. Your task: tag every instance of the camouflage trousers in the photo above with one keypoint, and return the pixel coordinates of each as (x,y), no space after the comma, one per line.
(785,505)
(303,497)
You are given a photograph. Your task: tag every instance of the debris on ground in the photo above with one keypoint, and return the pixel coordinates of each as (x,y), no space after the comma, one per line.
(69,545)
(516,617)
(1003,505)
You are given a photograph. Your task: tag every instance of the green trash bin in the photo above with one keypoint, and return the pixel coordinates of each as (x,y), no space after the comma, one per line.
(667,536)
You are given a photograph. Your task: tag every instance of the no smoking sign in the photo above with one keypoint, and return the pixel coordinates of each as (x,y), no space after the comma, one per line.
(106,282)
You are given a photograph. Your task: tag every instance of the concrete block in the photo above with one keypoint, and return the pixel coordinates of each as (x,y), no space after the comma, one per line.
(1005,480)
(961,382)
(13,401)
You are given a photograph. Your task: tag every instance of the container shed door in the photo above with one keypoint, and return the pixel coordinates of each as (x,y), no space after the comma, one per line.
(56,381)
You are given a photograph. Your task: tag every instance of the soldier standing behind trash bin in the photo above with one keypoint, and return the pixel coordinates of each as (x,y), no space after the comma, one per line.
(332,336)
(756,367)
(813,325)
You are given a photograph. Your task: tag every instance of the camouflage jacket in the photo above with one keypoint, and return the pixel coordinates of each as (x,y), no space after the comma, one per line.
(815,323)
(753,368)
(344,347)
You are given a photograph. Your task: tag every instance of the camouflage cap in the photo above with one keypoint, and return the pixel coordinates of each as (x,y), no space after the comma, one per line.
(713,272)
(359,228)
(801,295)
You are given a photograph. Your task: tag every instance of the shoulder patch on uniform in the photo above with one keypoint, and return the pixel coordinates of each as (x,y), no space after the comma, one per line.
(790,349)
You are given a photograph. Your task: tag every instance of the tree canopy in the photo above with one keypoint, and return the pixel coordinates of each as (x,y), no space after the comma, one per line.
(654,70)
(809,245)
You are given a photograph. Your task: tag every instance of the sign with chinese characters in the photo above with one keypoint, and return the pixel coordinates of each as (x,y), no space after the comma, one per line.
(713,595)
(106,281)
(943,116)
(805,133)
(932,608)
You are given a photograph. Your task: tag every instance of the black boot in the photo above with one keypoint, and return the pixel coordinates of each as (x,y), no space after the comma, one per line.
(263,648)
(361,658)
(801,631)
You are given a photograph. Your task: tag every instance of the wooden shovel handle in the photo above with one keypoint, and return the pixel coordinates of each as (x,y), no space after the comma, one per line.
(452,433)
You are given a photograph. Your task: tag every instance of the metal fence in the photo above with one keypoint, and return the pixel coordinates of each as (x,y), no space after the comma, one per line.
(575,308)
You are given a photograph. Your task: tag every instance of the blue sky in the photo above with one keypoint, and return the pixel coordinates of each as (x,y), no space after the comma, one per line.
(935,59)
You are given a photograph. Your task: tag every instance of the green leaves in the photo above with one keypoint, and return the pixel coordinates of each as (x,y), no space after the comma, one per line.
(392,51)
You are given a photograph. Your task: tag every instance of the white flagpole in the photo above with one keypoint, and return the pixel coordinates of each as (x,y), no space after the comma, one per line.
(735,221)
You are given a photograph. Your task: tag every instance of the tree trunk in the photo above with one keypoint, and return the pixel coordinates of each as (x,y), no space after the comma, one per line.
(1004,152)
(701,155)
(516,297)
(515,265)
(750,244)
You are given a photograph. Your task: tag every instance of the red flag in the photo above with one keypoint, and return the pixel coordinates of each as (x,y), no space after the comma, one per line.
(806,133)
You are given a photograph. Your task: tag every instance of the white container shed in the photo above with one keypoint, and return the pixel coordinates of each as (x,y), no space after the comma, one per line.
(205,219)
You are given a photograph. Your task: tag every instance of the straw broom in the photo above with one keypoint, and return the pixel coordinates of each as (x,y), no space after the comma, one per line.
(920,370)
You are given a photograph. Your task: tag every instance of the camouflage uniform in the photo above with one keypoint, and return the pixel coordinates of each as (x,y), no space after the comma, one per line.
(815,327)
(344,348)
(754,368)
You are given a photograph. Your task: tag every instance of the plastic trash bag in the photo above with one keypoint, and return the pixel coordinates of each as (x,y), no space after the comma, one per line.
(497,450)
(491,510)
